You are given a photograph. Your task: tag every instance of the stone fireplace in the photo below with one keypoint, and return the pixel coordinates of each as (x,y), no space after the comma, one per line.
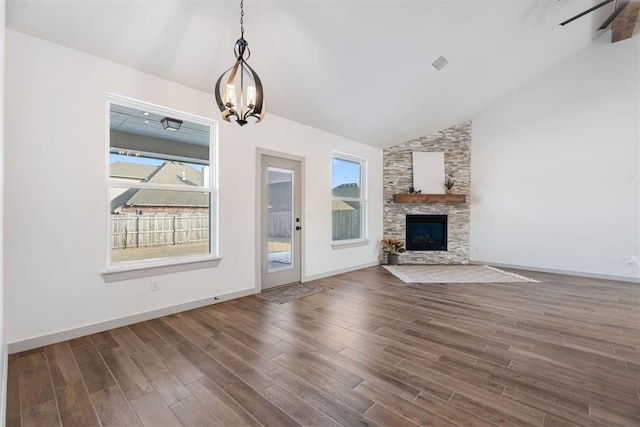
(426,232)
(455,142)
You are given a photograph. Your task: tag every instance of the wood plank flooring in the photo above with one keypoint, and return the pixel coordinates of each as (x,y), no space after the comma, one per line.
(371,351)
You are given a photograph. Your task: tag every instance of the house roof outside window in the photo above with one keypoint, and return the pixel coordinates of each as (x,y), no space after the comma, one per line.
(174,173)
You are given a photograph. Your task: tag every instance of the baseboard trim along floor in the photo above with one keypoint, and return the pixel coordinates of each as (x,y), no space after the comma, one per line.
(30,343)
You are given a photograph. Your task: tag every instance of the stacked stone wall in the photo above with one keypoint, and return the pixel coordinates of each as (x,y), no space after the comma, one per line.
(455,142)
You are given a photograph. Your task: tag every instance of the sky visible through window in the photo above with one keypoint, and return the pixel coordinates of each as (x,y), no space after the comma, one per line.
(345,172)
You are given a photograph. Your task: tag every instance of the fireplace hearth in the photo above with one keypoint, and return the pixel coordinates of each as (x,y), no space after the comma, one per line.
(426,232)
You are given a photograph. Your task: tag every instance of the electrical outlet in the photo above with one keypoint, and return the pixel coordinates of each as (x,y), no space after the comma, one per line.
(154,285)
(633,260)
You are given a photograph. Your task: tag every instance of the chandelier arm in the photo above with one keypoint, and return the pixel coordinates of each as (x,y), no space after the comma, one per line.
(226,114)
(223,108)
(255,116)
(234,70)
(240,48)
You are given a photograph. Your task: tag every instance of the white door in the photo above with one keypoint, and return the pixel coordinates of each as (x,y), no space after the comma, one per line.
(281,221)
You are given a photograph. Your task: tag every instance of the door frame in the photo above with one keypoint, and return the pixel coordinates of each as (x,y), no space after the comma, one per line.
(260,152)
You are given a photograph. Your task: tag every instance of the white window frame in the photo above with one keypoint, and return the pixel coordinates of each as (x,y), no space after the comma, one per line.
(363,198)
(161,264)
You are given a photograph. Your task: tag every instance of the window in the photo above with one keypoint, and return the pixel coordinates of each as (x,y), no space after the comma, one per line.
(161,184)
(348,204)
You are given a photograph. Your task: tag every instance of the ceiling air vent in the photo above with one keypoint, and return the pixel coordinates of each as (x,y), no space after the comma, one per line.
(440,63)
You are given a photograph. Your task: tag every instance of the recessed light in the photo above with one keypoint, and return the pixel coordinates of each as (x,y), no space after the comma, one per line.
(146,121)
(440,63)
(146,113)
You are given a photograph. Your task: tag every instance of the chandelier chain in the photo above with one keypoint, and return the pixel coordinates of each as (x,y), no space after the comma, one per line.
(242,18)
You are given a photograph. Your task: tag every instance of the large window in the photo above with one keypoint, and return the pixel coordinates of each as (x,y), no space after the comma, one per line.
(162,187)
(348,204)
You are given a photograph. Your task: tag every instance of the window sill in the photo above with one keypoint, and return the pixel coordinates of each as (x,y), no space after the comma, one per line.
(349,244)
(133,271)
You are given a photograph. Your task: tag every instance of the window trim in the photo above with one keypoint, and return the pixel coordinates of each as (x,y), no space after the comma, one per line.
(153,266)
(363,239)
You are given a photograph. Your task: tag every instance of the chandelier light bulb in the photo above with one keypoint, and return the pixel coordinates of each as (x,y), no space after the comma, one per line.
(230,96)
(251,96)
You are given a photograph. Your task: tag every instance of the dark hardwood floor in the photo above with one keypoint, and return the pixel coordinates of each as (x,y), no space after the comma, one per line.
(371,351)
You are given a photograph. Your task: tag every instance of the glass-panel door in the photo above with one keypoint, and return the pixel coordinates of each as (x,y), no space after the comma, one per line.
(281,221)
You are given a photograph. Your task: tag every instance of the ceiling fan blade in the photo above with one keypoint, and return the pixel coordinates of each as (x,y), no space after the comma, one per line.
(615,13)
(580,15)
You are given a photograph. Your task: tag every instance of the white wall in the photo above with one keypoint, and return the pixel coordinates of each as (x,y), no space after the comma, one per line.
(56,206)
(3,348)
(556,168)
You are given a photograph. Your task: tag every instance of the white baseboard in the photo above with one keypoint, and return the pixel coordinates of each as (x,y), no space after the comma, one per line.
(558,271)
(339,271)
(35,342)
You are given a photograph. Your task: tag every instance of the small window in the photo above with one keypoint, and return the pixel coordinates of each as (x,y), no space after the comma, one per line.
(161,186)
(348,204)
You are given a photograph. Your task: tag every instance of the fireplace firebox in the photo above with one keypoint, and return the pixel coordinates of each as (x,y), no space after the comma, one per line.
(426,232)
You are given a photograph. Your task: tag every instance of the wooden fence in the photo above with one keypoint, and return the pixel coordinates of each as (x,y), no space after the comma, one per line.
(279,224)
(136,231)
(150,230)
(346,224)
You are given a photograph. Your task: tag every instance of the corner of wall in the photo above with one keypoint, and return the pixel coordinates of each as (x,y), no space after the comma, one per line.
(3,347)
(556,168)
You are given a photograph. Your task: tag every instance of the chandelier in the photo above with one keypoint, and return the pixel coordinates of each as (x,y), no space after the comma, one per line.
(241,95)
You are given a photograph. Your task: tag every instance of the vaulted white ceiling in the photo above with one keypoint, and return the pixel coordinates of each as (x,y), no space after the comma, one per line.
(356,68)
